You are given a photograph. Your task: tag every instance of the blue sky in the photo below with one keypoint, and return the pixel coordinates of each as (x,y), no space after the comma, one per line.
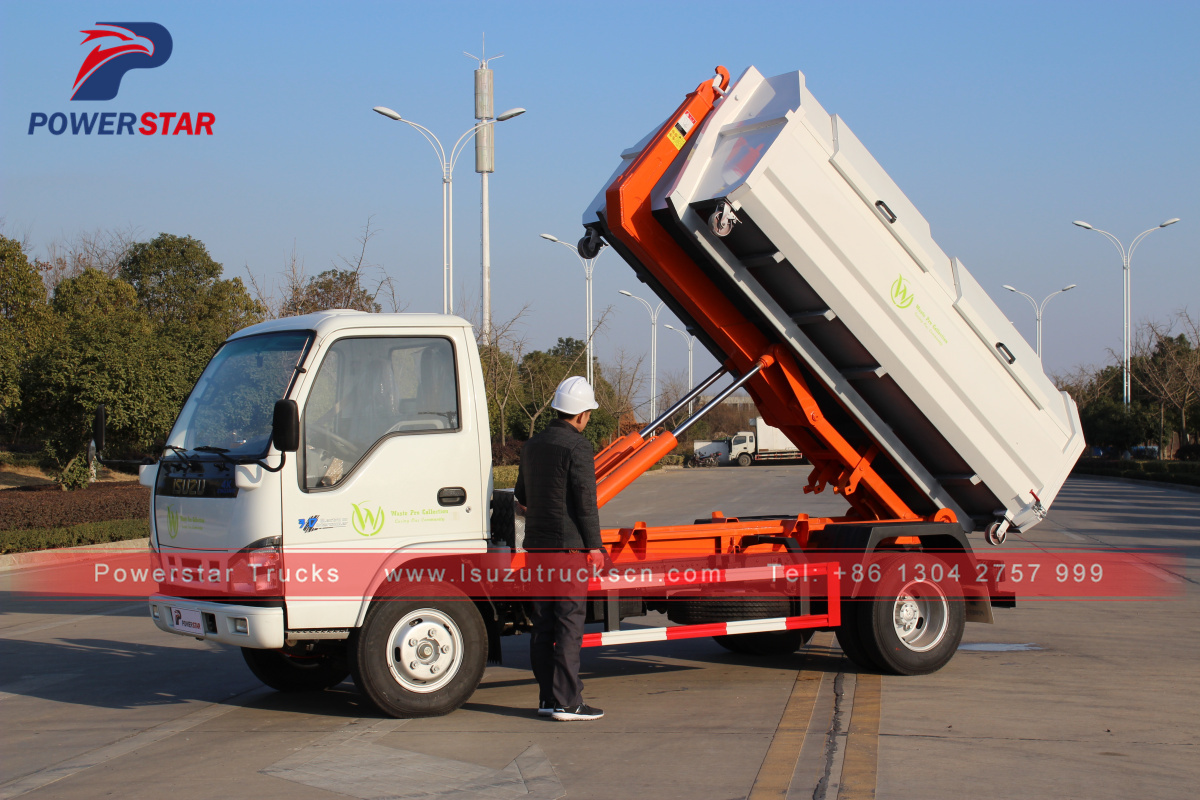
(1003,122)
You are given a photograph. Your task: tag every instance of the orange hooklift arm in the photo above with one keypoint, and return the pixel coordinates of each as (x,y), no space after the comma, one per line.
(780,392)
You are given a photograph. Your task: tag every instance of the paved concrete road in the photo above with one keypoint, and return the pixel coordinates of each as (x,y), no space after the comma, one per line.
(96,702)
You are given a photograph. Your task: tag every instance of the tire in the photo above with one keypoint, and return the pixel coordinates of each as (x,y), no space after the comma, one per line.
(419,658)
(767,643)
(504,517)
(700,612)
(850,640)
(914,626)
(288,673)
(744,460)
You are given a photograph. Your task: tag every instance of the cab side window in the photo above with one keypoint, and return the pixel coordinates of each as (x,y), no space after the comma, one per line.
(370,388)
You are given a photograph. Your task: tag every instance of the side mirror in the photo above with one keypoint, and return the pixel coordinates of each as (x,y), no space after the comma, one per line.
(285,429)
(98,425)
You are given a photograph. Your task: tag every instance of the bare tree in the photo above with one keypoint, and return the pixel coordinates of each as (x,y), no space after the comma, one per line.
(356,283)
(672,386)
(501,361)
(1086,383)
(624,380)
(1168,365)
(97,249)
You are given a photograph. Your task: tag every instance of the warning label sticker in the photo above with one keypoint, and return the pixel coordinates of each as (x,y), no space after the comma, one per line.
(679,131)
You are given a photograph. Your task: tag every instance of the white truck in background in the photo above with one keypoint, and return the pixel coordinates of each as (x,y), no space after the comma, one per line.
(762,444)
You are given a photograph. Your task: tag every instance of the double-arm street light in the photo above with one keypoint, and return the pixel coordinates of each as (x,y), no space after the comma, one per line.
(690,340)
(1126,257)
(1039,309)
(653,350)
(447,162)
(588,265)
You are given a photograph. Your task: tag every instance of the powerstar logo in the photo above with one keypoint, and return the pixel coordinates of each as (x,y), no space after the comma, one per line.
(901,296)
(307,525)
(127,45)
(172,521)
(366,522)
(117,48)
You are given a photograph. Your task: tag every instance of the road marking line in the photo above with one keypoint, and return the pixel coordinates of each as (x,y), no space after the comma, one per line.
(862,741)
(72,766)
(775,774)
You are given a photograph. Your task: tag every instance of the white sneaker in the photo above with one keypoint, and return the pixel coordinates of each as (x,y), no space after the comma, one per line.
(545,709)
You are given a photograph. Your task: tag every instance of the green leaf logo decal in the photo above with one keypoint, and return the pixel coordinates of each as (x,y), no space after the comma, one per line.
(366,522)
(172,521)
(901,297)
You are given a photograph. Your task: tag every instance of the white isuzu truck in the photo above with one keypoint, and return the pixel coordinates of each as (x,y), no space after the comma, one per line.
(771,231)
(764,443)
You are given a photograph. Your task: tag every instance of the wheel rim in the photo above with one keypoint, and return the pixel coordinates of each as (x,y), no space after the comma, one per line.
(425,650)
(921,616)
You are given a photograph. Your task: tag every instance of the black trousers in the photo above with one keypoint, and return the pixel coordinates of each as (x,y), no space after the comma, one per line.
(554,649)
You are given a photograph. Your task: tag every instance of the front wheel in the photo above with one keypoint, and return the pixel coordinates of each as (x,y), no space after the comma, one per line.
(284,672)
(744,460)
(912,627)
(420,658)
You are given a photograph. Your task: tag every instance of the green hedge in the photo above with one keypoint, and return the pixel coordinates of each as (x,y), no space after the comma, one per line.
(504,477)
(87,533)
(1186,473)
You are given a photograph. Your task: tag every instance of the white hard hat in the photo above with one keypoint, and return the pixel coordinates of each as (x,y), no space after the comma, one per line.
(574,396)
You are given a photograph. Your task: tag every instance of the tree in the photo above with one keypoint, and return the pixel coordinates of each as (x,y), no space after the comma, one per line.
(106,349)
(344,286)
(622,379)
(1108,422)
(180,286)
(542,371)
(333,288)
(24,324)
(1166,366)
(501,361)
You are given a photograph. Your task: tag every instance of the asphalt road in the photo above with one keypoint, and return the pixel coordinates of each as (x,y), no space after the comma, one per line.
(1097,701)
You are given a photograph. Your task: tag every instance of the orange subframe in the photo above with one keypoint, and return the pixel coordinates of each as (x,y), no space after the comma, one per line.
(780,390)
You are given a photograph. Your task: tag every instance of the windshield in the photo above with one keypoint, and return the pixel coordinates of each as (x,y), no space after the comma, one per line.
(232,406)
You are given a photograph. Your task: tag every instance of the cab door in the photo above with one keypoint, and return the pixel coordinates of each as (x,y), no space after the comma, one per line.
(390,458)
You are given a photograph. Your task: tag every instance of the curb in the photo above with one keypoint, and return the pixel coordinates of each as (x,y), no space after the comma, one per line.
(1179,487)
(14,561)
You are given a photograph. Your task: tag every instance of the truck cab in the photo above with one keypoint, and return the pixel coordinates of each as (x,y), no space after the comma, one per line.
(394,454)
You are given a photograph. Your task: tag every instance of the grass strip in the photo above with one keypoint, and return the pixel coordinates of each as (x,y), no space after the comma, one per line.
(28,541)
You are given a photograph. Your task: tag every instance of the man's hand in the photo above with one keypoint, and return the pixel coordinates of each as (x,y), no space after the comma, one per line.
(598,558)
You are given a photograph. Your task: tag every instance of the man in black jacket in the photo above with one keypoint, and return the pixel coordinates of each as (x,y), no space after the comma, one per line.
(556,482)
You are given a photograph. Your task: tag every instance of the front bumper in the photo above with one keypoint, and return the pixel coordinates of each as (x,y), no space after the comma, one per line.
(242,626)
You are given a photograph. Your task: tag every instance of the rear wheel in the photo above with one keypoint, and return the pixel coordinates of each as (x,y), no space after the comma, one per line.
(913,626)
(291,673)
(850,640)
(420,658)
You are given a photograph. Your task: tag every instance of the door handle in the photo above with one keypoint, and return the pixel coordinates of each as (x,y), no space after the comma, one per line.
(452,496)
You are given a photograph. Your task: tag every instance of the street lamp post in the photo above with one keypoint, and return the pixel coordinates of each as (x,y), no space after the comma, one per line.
(447,163)
(1038,310)
(653,350)
(588,265)
(690,340)
(1126,257)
